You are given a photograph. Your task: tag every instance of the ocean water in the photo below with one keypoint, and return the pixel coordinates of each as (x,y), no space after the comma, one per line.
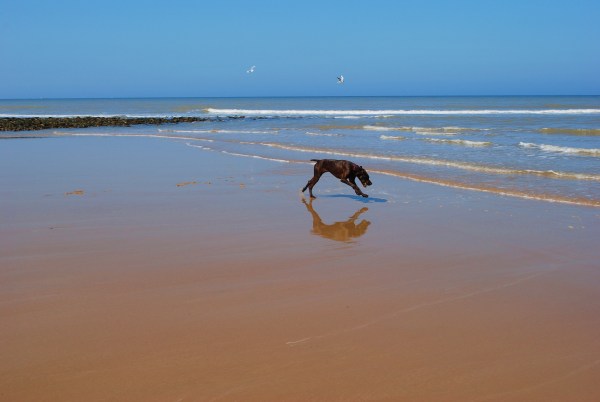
(545,148)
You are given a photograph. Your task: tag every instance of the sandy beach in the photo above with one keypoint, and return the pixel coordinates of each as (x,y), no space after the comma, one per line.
(144,269)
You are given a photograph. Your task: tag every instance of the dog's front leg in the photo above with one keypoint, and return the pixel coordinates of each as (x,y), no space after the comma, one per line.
(352,184)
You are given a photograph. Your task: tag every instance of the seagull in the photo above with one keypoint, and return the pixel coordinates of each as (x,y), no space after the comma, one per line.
(251,69)
(340,79)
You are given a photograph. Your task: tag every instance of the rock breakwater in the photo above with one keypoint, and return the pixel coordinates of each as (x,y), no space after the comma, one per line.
(43,123)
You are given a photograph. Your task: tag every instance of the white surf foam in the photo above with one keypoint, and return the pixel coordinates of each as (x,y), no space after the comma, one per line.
(466,143)
(338,113)
(564,150)
(382,128)
(392,137)
(323,134)
(435,133)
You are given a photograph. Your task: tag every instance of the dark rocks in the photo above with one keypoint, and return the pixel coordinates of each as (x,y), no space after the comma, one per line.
(43,123)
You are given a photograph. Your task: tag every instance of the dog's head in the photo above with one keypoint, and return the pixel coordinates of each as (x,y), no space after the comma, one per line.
(363,176)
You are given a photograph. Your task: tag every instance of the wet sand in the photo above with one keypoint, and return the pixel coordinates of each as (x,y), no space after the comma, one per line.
(143,269)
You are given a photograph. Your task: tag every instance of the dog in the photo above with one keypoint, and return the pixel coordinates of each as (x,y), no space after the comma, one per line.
(344,170)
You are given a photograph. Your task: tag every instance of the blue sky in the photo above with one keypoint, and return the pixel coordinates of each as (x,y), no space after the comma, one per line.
(55,49)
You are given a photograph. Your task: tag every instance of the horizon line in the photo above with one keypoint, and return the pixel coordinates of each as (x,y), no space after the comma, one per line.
(294,96)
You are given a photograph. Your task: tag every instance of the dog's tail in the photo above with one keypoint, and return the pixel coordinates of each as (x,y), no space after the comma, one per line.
(315,160)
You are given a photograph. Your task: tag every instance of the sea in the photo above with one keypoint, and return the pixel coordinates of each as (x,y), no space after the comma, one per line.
(538,147)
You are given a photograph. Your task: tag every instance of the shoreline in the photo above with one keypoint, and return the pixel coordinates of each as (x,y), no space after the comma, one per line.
(144,269)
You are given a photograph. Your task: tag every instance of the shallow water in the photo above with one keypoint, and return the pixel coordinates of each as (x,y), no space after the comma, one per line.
(533,147)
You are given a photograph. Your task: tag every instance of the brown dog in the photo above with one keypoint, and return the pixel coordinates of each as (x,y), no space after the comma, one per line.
(344,170)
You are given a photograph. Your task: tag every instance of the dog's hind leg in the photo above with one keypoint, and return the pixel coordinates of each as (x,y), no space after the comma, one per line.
(318,172)
(311,183)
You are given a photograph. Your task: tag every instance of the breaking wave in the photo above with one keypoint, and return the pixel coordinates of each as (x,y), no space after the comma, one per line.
(400,112)
(392,137)
(564,150)
(466,143)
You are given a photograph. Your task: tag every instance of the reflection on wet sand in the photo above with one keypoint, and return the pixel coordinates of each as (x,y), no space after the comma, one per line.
(339,231)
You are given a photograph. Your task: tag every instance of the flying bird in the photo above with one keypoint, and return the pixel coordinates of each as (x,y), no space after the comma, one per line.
(340,79)
(251,69)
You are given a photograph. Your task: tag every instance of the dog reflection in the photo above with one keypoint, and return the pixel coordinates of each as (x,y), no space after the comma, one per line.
(338,231)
